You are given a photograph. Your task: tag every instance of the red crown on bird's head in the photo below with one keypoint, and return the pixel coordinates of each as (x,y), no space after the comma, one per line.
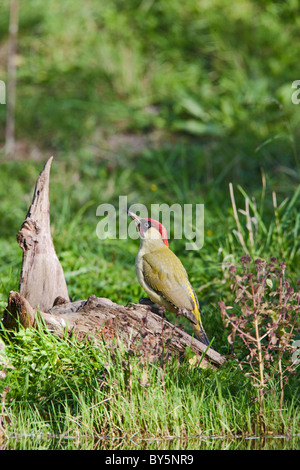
(144,224)
(162,230)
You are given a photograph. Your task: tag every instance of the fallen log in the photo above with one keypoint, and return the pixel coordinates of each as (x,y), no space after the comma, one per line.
(43,295)
(142,331)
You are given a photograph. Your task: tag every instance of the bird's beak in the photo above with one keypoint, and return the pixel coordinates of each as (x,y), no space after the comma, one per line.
(134,217)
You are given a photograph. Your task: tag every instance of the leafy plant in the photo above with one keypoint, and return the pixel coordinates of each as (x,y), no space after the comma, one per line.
(262,323)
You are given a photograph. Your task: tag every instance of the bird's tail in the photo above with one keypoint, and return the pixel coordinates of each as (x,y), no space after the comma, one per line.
(200,333)
(197,325)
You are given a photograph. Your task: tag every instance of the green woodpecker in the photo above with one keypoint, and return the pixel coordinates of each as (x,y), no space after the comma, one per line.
(163,276)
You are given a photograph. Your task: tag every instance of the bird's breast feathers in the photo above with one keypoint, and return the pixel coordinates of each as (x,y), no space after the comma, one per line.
(164,278)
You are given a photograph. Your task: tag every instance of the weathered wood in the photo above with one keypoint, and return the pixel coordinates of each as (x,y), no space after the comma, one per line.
(18,312)
(139,329)
(42,278)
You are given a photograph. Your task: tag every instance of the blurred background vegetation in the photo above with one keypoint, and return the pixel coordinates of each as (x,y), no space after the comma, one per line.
(164,102)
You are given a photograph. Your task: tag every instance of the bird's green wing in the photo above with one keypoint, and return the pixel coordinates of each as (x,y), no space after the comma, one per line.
(165,274)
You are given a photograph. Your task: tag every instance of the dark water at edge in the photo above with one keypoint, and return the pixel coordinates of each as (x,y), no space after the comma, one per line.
(65,442)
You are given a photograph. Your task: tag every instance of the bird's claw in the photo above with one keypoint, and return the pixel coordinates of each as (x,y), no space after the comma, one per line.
(155,308)
(146,301)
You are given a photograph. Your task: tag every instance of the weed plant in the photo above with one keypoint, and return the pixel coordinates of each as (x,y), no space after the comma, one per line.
(263,321)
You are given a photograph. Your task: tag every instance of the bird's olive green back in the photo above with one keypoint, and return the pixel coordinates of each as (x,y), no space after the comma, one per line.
(165,274)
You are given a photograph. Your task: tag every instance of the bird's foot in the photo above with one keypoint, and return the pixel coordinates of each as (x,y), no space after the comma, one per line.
(146,301)
(155,308)
(159,310)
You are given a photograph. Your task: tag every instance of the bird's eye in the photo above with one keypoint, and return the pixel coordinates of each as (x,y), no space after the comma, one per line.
(147,225)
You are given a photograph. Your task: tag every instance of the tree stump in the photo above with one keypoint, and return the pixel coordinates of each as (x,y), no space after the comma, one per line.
(42,278)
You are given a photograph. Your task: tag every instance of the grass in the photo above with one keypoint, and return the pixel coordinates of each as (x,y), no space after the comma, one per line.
(65,389)
(163,102)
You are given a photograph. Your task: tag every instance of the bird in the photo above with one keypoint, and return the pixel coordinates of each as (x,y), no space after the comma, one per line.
(163,276)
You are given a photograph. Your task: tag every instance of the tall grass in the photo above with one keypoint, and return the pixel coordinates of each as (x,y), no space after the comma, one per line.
(280,235)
